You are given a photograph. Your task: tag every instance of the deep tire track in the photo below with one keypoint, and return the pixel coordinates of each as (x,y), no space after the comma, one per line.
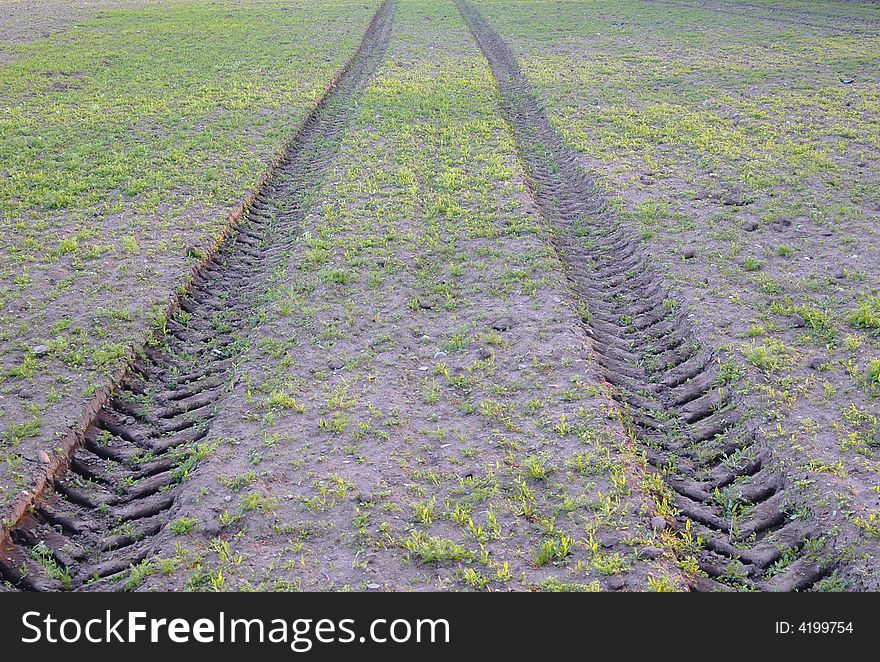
(694,431)
(120,488)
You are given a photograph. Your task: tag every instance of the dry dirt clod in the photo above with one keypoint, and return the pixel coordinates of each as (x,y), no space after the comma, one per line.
(615,584)
(782,223)
(734,198)
(212,529)
(503,324)
(652,552)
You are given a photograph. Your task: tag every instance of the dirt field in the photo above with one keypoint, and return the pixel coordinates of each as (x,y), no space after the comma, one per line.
(24,21)
(745,156)
(112,192)
(565,296)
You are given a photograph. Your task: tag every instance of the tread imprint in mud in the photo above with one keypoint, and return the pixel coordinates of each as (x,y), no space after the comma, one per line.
(692,428)
(121,483)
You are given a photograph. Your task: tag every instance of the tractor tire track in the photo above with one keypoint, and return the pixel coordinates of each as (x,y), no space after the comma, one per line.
(121,483)
(694,432)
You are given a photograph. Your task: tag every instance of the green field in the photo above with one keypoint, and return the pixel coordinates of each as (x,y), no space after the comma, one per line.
(561,296)
(127,140)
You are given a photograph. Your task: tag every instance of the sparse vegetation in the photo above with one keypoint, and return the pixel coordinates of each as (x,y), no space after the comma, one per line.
(425,386)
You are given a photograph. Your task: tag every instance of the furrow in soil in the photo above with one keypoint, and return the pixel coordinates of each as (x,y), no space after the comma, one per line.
(121,483)
(725,485)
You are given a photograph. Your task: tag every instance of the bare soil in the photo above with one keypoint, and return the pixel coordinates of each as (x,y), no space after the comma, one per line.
(70,318)
(404,462)
(451,347)
(756,266)
(23,21)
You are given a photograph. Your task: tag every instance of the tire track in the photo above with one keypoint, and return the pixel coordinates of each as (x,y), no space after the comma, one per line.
(121,483)
(695,434)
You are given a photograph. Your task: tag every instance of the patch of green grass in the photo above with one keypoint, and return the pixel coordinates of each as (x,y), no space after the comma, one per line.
(170,88)
(280,399)
(555,585)
(554,550)
(183,525)
(662,584)
(43,555)
(16,433)
(434,549)
(239,482)
(769,355)
(139,574)
(869,523)
(867,314)
(751,264)
(832,584)
(125,141)
(258,501)
(874,371)
(609,564)
(818,321)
